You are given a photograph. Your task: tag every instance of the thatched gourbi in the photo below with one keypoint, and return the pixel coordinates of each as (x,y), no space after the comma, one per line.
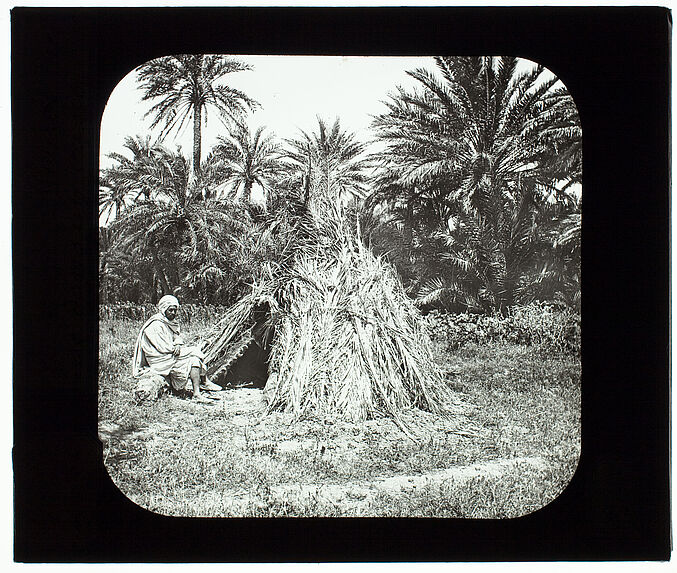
(347,341)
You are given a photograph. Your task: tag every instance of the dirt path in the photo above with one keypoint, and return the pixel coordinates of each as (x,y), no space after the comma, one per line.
(247,402)
(357,494)
(245,407)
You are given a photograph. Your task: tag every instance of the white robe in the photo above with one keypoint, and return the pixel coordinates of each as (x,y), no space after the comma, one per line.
(155,351)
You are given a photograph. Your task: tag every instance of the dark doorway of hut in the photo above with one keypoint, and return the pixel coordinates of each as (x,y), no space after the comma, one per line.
(250,369)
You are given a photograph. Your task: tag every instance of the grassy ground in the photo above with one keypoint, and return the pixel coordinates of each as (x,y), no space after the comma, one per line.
(509,445)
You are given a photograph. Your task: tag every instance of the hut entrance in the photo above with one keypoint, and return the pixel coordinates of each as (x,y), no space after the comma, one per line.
(239,350)
(251,369)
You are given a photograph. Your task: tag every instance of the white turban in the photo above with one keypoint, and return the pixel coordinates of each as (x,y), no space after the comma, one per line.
(167,301)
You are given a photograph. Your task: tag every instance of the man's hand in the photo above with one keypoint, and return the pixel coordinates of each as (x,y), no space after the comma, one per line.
(177,351)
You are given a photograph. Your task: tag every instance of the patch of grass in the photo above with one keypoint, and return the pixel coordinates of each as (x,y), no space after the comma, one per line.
(519,491)
(510,402)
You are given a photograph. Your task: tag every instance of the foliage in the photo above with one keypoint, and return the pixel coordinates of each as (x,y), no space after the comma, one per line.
(559,138)
(188,312)
(182,233)
(187,241)
(468,172)
(119,278)
(557,276)
(329,165)
(187,86)
(248,160)
(550,327)
(472,201)
(130,180)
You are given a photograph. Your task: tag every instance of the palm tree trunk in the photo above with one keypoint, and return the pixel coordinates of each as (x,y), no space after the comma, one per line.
(409,225)
(247,191)
(159,271)
(197,138)
(103,292)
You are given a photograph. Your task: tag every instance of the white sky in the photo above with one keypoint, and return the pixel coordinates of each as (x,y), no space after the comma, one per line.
(293,91)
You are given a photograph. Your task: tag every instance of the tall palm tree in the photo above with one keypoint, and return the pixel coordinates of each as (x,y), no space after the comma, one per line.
(248,160)
(475,142)
(329,165)
(186,87)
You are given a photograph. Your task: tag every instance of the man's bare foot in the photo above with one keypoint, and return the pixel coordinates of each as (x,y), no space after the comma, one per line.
(200,399)
(210,386)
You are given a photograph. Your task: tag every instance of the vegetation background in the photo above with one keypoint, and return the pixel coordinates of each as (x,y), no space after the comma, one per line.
(469,184)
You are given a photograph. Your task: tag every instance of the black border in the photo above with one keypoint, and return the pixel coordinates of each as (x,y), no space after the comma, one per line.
(615,61)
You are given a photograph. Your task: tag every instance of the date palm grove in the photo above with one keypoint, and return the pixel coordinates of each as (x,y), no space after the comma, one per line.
(472,197)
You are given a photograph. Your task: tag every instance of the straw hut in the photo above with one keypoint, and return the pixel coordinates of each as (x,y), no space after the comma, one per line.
(337,334)
(340,335)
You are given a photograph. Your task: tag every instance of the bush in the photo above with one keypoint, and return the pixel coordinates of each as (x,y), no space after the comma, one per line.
(552,327)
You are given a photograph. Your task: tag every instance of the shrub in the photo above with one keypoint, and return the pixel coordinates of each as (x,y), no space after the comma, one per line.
(552,327)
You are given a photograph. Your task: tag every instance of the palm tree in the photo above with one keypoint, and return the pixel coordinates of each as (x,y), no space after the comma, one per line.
(186,86)
(247,160)
(557,274)
(141,229)
(474,148)
(131,179)
(122,275)
(112,200)
(559,138)
(188,240)
(329,166)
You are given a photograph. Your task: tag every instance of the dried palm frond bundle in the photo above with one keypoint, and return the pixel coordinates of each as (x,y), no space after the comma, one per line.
(349,342)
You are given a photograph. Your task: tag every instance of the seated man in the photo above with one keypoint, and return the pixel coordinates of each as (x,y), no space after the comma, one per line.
(160,347)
